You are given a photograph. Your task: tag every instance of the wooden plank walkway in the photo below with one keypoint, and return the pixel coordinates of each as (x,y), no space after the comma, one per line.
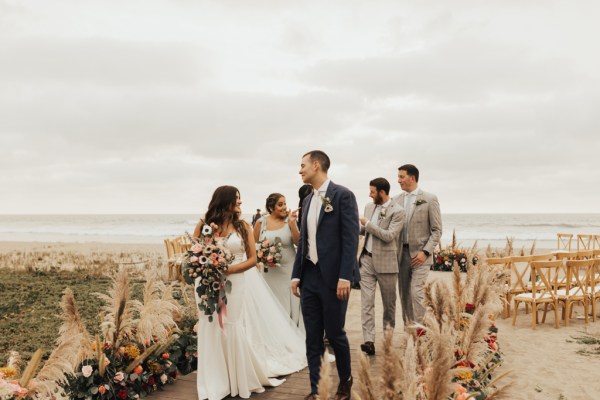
(297,385)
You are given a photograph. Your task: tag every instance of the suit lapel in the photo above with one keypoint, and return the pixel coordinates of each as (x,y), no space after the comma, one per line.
(414,206)
(306,206)
(330,193)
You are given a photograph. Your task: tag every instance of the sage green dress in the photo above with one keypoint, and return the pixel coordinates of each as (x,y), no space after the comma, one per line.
(279,278)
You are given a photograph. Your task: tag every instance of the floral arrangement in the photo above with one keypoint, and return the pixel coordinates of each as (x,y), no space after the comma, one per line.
(453,354)
(10,388)
(208,259)
(268,254)
(444,259)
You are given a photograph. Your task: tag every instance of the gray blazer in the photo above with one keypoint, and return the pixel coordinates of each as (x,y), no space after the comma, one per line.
(385,234)
(424,224)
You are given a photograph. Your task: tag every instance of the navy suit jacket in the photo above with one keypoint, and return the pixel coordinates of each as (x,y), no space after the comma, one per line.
(337,238)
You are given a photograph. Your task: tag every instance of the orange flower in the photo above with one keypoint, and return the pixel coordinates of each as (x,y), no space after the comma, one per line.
(165,356)
(138,370)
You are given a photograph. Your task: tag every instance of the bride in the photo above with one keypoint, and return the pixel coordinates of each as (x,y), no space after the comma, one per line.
(259,340)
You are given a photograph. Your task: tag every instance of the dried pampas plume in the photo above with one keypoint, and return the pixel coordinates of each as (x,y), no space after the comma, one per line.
(324,379)
(156,313)
(118,309)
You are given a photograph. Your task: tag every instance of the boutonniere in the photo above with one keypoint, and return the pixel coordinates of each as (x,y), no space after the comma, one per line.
(382,213)
(326,203)
(419,202)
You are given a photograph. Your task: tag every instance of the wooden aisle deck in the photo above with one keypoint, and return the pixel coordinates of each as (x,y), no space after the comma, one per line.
(297,385)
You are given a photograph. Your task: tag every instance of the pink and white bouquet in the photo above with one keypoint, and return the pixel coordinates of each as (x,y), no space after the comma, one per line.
(208,259)
(268,254)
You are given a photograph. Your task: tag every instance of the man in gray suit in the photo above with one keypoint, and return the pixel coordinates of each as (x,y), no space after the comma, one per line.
(381,225)
(420,234)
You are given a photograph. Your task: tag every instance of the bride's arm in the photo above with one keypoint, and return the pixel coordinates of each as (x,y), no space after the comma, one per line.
(250,254)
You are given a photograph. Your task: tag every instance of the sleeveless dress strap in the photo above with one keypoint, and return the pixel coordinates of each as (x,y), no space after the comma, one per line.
(263,227)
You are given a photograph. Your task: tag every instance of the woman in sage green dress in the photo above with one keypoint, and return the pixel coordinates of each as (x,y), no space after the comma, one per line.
(280,226)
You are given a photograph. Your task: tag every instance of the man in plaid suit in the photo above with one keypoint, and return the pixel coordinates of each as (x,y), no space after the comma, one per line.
(381,225)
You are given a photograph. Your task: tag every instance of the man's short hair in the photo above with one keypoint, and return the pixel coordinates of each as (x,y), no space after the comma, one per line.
(320,157)
(258,210)
(381,184)
(411,170)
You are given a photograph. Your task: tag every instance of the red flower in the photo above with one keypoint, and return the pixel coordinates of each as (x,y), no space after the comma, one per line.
(151,380)
(469,308)
(421,332)
(122,394)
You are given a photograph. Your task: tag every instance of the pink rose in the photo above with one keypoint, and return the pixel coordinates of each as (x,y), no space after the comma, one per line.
(101,389)
(193,259)
(197,248)
(272,249)
(119,376)
(259,254)
(270,259)
(87,370)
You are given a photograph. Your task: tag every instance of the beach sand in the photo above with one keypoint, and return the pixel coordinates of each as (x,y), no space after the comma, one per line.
(545,363)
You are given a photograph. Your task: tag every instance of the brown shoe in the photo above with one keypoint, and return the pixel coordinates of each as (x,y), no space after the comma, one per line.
(311,396)
(344,390)
(368,347)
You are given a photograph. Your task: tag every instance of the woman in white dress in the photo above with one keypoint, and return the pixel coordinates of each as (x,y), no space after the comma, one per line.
(258,341)
(280,225)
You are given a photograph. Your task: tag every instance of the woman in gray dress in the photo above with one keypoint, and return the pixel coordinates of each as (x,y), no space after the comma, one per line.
(280,226)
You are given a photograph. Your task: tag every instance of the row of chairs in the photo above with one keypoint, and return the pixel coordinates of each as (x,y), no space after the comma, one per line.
(176,248)
(560,277)
(584,242)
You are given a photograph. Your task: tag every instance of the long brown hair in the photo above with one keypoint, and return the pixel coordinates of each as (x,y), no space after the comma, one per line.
(220,211)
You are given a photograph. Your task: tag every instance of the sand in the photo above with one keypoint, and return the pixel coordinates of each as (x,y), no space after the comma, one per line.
(545,362)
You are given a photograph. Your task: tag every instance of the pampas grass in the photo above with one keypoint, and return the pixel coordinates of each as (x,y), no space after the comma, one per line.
(324,379)
(424,366)
(118,319)
(157,310)
(366,388)
(32,366)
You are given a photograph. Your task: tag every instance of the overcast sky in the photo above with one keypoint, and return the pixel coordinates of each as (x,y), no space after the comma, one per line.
(147,106)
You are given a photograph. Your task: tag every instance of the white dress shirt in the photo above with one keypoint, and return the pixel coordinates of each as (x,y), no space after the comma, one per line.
(374,218)
(312,220)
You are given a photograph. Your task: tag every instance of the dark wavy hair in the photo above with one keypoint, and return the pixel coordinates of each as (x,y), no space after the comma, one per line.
(220,211)
(272,201)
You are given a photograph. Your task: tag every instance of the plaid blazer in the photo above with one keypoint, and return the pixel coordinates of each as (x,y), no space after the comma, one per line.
(385,234)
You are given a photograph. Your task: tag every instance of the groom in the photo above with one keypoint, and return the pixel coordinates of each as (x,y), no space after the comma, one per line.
(324,267)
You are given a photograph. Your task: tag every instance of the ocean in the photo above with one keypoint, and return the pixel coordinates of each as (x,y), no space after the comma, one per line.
(487,229)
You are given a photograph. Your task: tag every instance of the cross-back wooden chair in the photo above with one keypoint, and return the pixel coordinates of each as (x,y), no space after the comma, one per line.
(585,255)
(563,241)
(577,289)
(170,258)
(543,290)
(502,264)
(584,242)
(594,288)
(596,242)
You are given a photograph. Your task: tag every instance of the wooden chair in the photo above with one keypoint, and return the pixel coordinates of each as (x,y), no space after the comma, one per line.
(584,242)
(563,241)
(170,258)
(577,289)
(585,255)
(503,266)
(596,242)
(597,253)
(543,290)
(594,287)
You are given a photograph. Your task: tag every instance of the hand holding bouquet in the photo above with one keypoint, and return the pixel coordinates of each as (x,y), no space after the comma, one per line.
(268,253)
(209,260)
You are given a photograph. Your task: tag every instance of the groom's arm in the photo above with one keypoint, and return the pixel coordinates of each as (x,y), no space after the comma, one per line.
(350,230)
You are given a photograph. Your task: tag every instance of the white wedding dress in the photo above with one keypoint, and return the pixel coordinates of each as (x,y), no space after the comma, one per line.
(259,341)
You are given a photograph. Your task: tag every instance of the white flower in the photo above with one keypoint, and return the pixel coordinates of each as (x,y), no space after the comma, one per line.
(328,208)
(87,370)
(163,378)
(206,230)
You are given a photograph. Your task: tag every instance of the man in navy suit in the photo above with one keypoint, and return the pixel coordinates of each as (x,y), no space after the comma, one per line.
(324,267)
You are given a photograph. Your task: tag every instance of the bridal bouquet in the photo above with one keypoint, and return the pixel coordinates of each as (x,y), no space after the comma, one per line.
(208,260)
(268,254)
